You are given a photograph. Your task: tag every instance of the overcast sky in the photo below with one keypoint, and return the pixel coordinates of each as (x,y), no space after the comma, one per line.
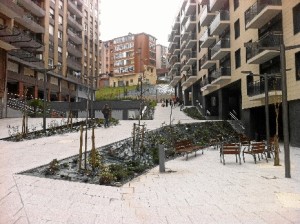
(154,17)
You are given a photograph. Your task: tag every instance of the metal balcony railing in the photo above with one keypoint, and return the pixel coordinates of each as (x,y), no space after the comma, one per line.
(225,71)
(257,7)
(222,43)
(268,40)
(258,87)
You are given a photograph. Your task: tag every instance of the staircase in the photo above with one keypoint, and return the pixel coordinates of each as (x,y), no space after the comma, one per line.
(236,124)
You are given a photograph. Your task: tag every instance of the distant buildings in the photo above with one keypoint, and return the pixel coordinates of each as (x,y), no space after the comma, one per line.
(129,58)
(211,45)
(36,35)
(161,62)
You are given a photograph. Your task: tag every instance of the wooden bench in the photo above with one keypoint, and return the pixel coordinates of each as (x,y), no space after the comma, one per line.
(256,148)
(231,149)
(186,147)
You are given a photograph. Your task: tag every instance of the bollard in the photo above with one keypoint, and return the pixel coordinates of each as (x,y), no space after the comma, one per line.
(161,158)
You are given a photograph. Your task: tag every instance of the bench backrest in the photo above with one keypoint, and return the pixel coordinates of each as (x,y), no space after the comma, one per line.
(183,144)
(258,147)
(231,148)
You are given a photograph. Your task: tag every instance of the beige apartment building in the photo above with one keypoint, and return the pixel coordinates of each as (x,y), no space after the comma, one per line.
(129,59)
(215,44)
(36,36)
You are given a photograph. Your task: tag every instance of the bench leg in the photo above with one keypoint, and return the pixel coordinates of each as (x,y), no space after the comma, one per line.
(223,159)
(187,156)
(254,158)
(240,158)
(244,156)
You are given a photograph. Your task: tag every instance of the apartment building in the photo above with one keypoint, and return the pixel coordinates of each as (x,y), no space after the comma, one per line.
(234,38)
(129,58)
(37,36)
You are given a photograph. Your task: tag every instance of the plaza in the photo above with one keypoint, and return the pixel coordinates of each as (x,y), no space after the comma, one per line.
(200,190)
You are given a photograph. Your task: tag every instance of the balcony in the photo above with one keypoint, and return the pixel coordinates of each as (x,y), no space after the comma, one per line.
(30,23)
(74,9)
(206,16)
(10,9)
(221,76)
(74,37)
(191,40)
(206,39)
(216,5)
(74,51)
(207,84)
(257,55)
(206,61)
(220,23)
(176,23)
(33,6)
(172,47)
(72,21)
(191,58)
(261,12)
(184,36)
(175,79)
(191,24)
(256,89)
(185,52)
(191,7)
(221,49)
(74,64)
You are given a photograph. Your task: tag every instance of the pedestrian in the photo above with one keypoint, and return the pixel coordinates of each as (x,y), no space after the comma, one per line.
(106,112)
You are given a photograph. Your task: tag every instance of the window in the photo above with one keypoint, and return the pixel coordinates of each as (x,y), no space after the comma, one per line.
(60,20)
(296,16)
(50,62)
(238,58)
(59,49)
(51,11)
(51,29)
(237,29)
(297,63)
(236,4)
(60,4)
(60,34)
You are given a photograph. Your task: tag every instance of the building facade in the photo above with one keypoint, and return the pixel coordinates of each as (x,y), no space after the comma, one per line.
(37,36)
(130,57)
(213,43)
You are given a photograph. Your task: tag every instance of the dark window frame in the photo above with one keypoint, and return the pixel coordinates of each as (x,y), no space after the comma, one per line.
(297,65)
(236,4)
(237,57)
(237,29)
(296,19)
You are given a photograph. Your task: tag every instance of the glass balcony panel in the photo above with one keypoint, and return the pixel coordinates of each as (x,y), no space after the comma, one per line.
(220,23)
(221,49)
(206,16)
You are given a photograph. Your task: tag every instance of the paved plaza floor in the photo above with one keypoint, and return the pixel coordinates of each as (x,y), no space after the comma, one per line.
(200,190)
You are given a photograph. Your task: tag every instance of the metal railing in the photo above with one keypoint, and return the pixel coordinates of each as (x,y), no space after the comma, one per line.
(258,87)
(223,15)
(257,7)
(222,43)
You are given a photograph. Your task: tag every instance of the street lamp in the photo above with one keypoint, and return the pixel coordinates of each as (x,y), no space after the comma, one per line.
(266,90)
(45,70)
(282,48)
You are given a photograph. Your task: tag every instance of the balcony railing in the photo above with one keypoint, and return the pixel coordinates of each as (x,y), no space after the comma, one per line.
(268,40)
(226,71)
(10,9)
(257,8)
(258,87)
(220,23)
(191,23)
(221,44)
(34,7)
(206,16)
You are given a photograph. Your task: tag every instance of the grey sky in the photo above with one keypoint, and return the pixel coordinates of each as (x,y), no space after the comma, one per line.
(155,17)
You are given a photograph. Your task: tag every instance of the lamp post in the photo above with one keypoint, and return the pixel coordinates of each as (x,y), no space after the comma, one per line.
(266,90)
(282,48)
(45,71)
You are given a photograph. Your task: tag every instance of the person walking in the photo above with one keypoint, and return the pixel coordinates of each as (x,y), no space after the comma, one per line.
(106,112)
